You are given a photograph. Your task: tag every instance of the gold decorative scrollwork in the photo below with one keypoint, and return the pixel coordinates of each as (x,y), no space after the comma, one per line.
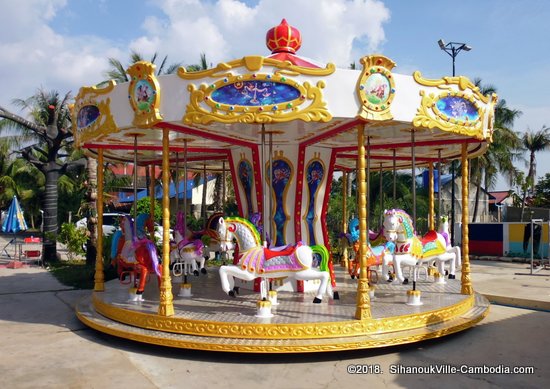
(428,116)
(445,83)
(376,88)
(254,64)
(144,94)
(103,125)
(203,110)
(365,325)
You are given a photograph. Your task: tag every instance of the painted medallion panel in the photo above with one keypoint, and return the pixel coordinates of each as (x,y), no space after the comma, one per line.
(254,93)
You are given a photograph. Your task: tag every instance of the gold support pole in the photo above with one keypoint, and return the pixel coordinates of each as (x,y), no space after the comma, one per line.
(99,277)
(344,259)
(466,279)
(362,311)
(431,199)
(166,306)
(152,198)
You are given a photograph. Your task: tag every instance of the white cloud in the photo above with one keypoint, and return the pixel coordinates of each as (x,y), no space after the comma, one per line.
(35,55)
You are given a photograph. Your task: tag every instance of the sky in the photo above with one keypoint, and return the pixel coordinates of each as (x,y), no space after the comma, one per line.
(63,45)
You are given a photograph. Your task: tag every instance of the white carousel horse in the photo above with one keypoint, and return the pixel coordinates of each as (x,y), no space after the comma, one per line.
(257,261)
(186,252)
(134,255)
(410,250)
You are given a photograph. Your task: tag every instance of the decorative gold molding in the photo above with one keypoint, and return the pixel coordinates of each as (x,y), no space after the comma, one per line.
(202,109)
(445,83)
(254,64)
(376,98)
(348,328)
(144,94)
(428,116)
(247,347)
(103,125)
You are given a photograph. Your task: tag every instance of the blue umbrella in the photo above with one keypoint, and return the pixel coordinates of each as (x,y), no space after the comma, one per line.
(15,221)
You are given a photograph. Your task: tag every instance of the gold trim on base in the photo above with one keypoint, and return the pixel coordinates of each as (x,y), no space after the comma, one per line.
(346,328)
(266,346)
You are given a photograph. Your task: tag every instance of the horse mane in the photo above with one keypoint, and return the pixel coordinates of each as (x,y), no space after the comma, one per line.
(406,218)
(247,223)
(180,223)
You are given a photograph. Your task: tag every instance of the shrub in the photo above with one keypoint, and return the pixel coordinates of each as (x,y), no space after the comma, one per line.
(73,238)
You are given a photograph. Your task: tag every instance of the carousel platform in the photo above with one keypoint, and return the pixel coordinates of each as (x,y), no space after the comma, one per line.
(211,320)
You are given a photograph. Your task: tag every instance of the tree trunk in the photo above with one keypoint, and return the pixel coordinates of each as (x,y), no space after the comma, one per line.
(91,198)
(50,212)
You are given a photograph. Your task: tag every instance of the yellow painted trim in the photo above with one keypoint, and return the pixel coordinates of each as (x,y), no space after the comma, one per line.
(148,114)
(105,123)
(254,64)
(362,311)
(245,347)
(374,65)
(99,277)
(348,328)
(428,116)
(202,110)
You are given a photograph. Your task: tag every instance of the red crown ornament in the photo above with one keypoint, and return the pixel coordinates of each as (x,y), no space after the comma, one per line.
(283,39)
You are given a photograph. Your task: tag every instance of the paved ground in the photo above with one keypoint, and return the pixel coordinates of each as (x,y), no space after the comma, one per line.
(43,345)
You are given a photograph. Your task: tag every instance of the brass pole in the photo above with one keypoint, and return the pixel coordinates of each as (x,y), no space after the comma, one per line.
(394,178)
(362,311)
(381,195)
(431,198)
(177,182)
(135,185)
(99,277)
(166,305)
(413,173)
(466,279)
(440,212)
(152,198)
(344,260)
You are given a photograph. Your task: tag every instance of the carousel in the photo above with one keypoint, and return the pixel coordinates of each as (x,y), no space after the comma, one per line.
(283,126)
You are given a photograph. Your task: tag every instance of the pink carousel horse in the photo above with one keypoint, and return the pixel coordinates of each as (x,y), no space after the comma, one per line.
(257,261)
(187,251)
(134,256)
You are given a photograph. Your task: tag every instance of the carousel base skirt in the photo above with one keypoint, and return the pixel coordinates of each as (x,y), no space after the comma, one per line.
(212,320)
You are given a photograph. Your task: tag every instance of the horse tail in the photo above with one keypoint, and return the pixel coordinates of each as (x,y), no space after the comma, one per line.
(323,253)
(152,250)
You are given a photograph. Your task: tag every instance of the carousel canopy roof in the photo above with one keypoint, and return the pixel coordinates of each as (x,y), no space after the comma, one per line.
(286,100)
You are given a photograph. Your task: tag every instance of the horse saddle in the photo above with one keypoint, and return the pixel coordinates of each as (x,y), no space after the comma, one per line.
(431,236)
(282,251)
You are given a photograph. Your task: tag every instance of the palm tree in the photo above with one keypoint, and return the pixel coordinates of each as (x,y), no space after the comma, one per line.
(533,142)
(501,153)
(50,127)
(118,71)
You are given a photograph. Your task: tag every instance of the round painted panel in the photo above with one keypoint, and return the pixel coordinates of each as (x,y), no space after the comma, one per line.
(144,95)
(87,115)
(456,107)
(254,93)
(377,88)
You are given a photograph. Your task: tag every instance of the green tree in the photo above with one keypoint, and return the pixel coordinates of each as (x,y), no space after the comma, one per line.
(533,142)
(542,192)
(50,127)
(501,154)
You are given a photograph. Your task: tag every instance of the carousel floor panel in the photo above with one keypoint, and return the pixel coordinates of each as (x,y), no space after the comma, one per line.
(211,320)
